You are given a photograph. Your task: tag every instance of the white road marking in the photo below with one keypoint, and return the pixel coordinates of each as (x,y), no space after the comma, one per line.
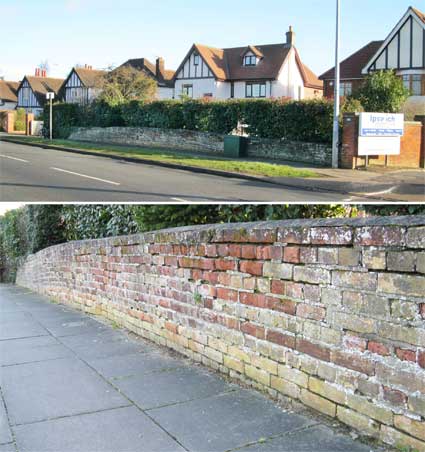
(384,192)
(179,200)
(14,158)
(85,175)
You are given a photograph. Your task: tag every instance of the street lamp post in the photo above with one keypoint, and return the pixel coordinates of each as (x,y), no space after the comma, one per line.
(335,141)
(50,96)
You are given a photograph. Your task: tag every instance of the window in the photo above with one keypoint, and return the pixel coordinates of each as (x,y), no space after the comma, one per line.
(196,59)
(345,89)
(406,81)
(255,90)
(414,84)
(250,60)
(187,90)
(25,95)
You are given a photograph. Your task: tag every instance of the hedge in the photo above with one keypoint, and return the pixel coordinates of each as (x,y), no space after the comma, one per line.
(309,120)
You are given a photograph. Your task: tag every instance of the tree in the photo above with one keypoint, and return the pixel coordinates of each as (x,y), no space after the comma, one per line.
(125,84)
(382,91)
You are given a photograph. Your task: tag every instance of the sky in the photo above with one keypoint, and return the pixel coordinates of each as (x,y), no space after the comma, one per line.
(104,33)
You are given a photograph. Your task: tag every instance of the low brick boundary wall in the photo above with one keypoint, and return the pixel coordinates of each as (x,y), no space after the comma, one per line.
(411,152)
(330,313)
(190,140)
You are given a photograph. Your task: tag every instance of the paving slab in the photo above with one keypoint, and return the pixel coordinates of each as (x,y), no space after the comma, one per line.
(14,316)
(314,439)
(65,400)
(123,430)
(134,364)
(75,327)
(5,433)
(19,329)
(92,338)
(34,354)
(39,391)
(172,386)
(226,421)
(118,347)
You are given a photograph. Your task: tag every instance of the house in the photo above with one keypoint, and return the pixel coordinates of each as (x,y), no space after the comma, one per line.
(163,77)
(32,91)
(253,71)
(403,51)
(82,85)
(350,70)
(8,95)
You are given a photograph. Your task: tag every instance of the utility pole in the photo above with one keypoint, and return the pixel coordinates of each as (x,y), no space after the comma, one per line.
(50,96)
(335,141)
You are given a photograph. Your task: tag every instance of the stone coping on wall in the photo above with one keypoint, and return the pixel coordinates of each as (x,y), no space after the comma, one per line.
(327,312)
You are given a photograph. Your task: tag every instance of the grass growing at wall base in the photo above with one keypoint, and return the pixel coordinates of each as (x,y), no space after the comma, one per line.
(254,168)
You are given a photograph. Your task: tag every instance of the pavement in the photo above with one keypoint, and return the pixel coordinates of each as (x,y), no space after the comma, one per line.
(70,383)
(29,173)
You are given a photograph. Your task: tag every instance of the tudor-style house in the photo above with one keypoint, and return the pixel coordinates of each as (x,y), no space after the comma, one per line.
(32,91)
(260,71)
(82,85)
(163,77)
(8,95)
(402,51)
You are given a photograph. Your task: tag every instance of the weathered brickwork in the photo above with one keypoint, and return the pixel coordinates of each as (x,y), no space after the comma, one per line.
(326,312)
(192,140)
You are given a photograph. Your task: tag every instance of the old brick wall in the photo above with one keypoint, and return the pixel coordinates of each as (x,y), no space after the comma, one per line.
(328,312)
(411,153)
(189,140)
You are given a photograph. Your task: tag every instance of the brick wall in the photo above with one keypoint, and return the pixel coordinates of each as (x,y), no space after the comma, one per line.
(189,140)
(7,121)
(412,147)
(327,312)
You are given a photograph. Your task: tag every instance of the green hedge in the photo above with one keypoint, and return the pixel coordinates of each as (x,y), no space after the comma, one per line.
(309,120)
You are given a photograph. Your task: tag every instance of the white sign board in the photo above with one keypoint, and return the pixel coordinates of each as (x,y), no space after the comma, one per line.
(378,146)
(50,96)
(381,125)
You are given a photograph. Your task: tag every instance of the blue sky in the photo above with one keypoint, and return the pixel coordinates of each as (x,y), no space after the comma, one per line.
(108,32)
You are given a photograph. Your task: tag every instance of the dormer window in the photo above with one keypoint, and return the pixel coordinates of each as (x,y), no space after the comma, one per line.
(250,60)
(196,59)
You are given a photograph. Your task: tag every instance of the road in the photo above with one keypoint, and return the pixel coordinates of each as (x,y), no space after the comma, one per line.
(70,383)
(30,174)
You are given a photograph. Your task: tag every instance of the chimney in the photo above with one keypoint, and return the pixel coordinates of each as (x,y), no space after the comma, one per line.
(43,73)
(37,72)
(290,37)
(160,67)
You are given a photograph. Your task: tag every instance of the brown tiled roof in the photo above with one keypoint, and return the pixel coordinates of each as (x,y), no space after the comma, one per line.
(267,68)
(214,58)
(310,78)
(254,50)
(143,64)
(226,64)
(351,68)
(420,14)
(89,77)
(9,91)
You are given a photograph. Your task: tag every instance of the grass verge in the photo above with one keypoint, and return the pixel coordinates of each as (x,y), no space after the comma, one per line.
(254,168)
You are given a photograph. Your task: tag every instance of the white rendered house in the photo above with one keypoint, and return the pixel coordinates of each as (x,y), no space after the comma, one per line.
(262,71)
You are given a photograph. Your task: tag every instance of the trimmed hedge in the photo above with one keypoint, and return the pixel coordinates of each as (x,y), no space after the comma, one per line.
(309,120)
